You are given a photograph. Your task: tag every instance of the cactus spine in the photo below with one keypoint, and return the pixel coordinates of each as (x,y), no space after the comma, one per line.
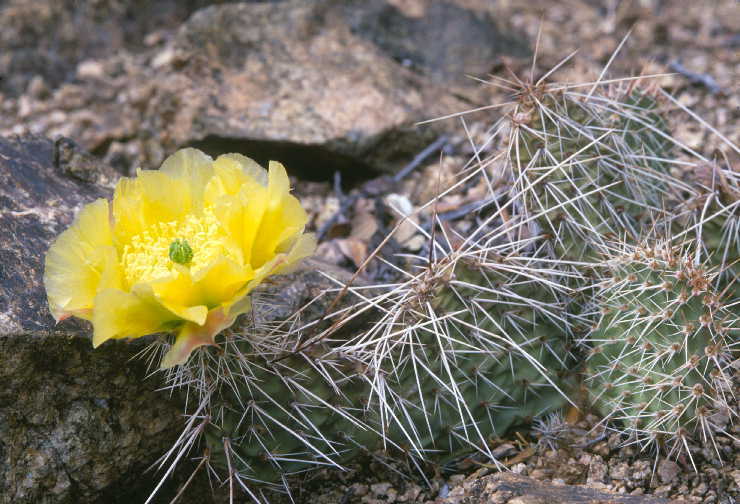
(593,168)
(716,219)
(474,336)
(661,345)
(479,328)
(588,166)
(463,349)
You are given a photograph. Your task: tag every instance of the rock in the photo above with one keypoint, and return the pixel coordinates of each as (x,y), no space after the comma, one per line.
(37,88)
(668,471)
(90,69)
(76,425)
(318,85)
(508,488)
(70,159)
(444,41)
(49,38)
(292,80)
(38,200)
(597,470)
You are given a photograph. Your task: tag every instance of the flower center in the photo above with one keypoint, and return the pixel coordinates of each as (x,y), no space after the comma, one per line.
(180,251)
(194,241)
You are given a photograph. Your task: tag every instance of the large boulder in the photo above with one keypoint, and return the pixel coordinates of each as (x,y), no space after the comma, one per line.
(324,85)
(76,425)
(321,86)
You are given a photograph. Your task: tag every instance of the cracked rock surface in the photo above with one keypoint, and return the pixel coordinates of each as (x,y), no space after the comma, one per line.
(76,425)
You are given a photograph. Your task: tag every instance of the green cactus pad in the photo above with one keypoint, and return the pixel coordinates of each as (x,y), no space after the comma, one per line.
(589,167)
(661,346)
(467,351)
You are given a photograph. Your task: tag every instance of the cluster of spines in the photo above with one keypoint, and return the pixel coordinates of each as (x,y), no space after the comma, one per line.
(661,345)
(587,167)
(266,412)
(467,344)
(715,212)
(467,323)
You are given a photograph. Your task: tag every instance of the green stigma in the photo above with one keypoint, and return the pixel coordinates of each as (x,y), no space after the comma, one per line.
(180,251)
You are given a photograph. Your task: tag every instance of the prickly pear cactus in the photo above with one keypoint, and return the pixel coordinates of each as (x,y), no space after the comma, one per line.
(661,345)
(589,166)
(463,350)
(286,416)
(469,346)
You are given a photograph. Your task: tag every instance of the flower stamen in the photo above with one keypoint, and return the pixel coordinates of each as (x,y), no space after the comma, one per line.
(180,251)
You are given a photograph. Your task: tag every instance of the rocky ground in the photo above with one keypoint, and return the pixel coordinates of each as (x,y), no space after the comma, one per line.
(333,89)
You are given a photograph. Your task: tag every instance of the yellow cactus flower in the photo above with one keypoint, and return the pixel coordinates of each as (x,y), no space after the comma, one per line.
(179,249)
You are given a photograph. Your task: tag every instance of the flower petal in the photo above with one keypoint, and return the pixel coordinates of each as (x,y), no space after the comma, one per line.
(238,199)
(196,314)
(192,336)
(286,262)
(164,195)
(142,202)
(282,219)
(176,294)
(233,173)
(195,169)
(80,262)
(304,246)
(254,205)
(191,296)
(219,283)
(120,314)
(283,263)
(250,167)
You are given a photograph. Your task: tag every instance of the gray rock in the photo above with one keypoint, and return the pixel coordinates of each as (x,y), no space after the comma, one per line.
(76,425)
(508,488)
(321,86)
(38,199)
(443,40)
(668,471)
(292,81)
